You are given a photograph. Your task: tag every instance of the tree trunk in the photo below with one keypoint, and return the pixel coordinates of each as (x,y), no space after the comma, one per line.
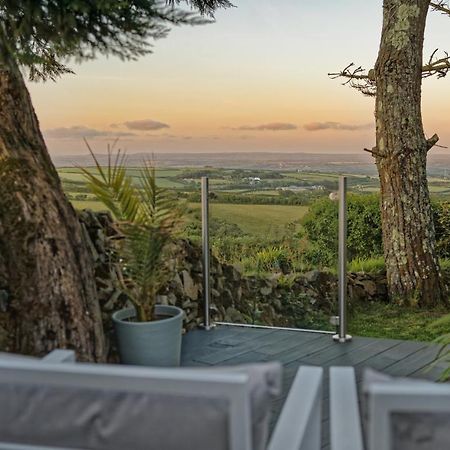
(48,270)
(401,157)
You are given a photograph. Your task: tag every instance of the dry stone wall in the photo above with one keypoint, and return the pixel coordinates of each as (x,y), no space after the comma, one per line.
(277,300)
(300,300)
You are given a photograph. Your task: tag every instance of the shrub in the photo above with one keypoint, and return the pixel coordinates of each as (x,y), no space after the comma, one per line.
(442,226)
(364,229)
(272,259)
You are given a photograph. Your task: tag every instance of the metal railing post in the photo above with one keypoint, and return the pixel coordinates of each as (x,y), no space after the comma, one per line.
(206,252)
(342,336)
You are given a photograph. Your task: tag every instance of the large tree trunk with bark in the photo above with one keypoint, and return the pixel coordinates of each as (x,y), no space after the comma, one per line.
(47,267)
(401,157)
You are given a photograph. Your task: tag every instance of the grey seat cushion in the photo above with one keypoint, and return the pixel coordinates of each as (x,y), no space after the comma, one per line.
(410,430)
(16,357)
(101,419)
(265,387)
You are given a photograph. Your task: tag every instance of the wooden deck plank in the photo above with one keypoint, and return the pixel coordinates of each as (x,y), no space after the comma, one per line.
(296,353)
(227,345)
(287,342)
(414,363)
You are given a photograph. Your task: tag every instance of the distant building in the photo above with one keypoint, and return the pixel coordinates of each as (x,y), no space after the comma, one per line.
(253,180)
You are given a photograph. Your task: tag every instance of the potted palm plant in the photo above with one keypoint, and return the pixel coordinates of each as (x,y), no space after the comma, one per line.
(148,216)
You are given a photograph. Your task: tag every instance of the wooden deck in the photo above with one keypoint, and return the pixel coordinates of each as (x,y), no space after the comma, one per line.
(229,345)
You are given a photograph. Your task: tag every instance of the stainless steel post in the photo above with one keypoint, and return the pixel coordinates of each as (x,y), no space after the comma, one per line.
(342,336)
(206,252)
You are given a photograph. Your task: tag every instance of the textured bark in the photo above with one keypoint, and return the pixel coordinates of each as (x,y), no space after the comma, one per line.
(48,270)
(401,157)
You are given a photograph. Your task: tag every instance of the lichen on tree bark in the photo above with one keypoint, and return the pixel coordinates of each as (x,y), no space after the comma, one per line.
(408,231)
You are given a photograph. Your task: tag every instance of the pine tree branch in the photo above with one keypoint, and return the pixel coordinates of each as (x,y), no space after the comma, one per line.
(356,78)
(441,6)
(432,141)
(438,67)
(363,81)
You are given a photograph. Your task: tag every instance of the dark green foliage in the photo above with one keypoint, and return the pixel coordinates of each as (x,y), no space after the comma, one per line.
(364,229)
(42,34)
(442,227)
(282,198)
(204,6)
(196,174)
(302,312)
(218,228)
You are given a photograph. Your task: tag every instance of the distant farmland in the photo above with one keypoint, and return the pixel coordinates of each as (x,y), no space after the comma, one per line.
(257,219)
(266,215)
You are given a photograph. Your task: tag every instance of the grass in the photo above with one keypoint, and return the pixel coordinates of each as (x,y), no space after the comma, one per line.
(257,220)
(390,321)
(88,204)
(371,265)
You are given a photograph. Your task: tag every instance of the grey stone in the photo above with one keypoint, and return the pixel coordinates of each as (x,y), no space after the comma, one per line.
(266,290)
(162,299)
(190,289)
(172,299)
(312,276)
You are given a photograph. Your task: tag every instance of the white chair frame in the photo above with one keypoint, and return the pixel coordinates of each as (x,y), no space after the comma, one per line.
(297,429)
(383,400)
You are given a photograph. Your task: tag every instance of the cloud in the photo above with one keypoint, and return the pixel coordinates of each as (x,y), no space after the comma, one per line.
(114,125)
(319,126)
(145,125)
(162,136)
(274,126)
(79,132)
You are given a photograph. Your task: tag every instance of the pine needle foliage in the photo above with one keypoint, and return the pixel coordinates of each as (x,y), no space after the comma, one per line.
(41,35)
(204,6)
(148,217)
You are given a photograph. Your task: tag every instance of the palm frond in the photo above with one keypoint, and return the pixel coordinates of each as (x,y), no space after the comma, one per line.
(113,187)
(148,216)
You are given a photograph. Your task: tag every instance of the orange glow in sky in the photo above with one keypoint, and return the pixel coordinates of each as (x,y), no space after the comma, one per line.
(256,80)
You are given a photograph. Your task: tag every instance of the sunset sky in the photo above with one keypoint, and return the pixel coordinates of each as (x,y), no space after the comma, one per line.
(256,80)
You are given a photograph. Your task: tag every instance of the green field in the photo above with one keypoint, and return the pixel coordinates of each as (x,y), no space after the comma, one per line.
(255,219)
(258,220)
(165,177)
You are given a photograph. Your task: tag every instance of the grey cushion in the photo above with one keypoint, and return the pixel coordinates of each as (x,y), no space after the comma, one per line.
(420,431)
(105,420)
(412,430)
(265,387)
(16,357)
(102,419)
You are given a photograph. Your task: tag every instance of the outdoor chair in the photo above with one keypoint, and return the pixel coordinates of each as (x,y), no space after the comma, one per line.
(397,413)
(55,403)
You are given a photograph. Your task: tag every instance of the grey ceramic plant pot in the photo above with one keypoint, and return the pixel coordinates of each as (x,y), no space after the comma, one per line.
(156,343)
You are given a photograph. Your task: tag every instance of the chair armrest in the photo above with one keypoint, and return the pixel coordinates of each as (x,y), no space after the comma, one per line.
(345,420)
(299,425)
(60,356)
